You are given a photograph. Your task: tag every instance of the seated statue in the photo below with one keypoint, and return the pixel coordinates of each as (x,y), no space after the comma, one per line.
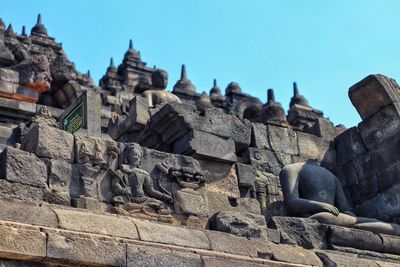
(310,190)
(136,185)
(157,95)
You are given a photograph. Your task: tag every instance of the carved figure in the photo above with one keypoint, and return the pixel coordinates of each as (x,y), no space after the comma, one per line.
(135,186)
(157,95)
(312,191)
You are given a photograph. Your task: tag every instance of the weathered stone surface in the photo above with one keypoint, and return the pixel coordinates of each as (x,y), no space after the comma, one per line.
(217,202)
(59,180)
(364,189)
(28,214)
(260,136)
(25,243)
(380,126)
(246,179)
(49,142)
(389,177)
(250,205)
(322,128)
(172,235)
(239,224)
(303,232)
(96,223)
(313,147)
(85,249)
(377,159)
(348,146)
(13,263)
(205,145)
(20,193)
(227,243)
(22,167)
(283,139)
(142,256)
(293,254)
(347,260)
(384,206)
(189,202)
(373,93)
(210,261)
(222,179)
(267,160)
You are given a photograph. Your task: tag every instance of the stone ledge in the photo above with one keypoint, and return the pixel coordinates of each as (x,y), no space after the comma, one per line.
(167,234)
(29,214)
(96,224)
(85,249)
(22,242)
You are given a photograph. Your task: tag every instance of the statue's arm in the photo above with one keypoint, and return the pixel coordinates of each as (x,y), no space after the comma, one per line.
(340,198)
(294,203)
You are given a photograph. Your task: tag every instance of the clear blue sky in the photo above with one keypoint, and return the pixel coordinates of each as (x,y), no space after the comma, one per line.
(326,46)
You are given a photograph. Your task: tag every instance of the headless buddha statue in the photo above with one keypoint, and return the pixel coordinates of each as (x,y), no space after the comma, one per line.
(310,190)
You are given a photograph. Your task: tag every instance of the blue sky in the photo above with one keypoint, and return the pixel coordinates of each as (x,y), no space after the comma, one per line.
(324,45)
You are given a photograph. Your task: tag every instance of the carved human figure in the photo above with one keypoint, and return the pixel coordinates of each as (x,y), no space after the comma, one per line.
(312,191)
(157,95)
(139,181)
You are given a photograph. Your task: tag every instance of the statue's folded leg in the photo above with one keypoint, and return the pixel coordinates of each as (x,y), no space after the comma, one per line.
(377,226)
(340,220)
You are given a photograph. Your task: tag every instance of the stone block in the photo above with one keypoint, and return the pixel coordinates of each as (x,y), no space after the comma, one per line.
(208,146)
(274,235)
(231,244)
(60,173)
(267,160)
(239,224)
(49,142)
(365,189)
(143,256)
(85,249)
(8,88)
(380,126)
(87,203)
(350,174)
(23,243)
(296,255)
(250,205)
(22,167)
(172,235)
(20,193)
(348,146)
(188,202)
(384,206)
(373,93)
(138,113)
(28,214)
(306,233)
(96,224)
(7,135)
(245,175)
(8,75)
(378,159)
(215,261)
(346,260)
(313,147)
(322,128)
(389,177)
(240,133)
(260,136)
(283,139)
(217,202)
(219,181)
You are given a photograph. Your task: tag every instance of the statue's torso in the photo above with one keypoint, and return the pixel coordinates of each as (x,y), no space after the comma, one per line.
(317,183)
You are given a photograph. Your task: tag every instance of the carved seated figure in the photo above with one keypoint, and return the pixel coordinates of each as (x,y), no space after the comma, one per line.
(135,184)
(157,95)
(312,191)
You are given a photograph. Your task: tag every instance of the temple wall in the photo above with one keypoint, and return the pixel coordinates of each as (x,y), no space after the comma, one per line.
(368,154)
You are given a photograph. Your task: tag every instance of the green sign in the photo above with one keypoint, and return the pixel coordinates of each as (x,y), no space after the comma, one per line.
(75,120)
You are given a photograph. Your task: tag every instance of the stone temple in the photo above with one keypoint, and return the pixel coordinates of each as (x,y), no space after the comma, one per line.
(125,173)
